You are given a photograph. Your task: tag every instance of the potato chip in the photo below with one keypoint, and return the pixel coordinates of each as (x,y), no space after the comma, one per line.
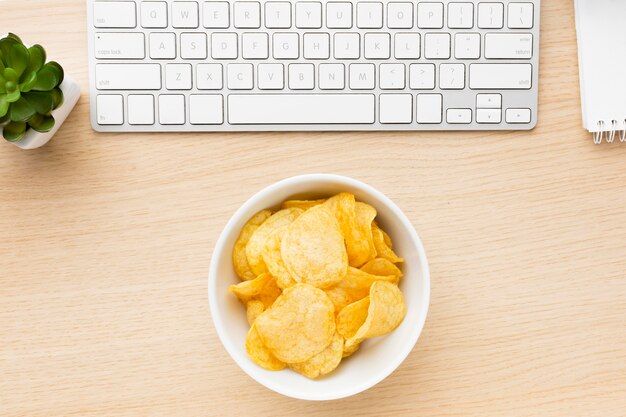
(343,206)
(262,288)
(352,317)
(302,204)
(300,324)
(382,249)
(385,313)
(386,238)
(313,249)
(254,248)
(240,260)
(349,351)
(324,362)
(260,353)
(354,287)
(254,308)
(274,260)
(382,266)
(340,297)
(365,215)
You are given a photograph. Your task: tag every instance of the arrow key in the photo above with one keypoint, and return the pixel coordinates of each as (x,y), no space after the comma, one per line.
(489,116)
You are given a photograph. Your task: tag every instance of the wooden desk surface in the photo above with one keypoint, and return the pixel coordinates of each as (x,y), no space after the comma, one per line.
(105,243)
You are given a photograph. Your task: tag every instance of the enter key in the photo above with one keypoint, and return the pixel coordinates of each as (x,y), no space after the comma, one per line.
(508,46)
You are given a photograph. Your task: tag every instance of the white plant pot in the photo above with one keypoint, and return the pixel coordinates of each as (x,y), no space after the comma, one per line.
(34,139)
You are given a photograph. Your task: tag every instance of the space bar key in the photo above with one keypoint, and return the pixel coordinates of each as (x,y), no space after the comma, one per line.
(300,109)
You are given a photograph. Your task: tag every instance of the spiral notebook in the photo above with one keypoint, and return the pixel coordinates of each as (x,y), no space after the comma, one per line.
(601,30)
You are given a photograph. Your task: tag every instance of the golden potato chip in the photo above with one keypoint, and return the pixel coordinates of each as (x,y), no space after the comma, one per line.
(254,248)
(365,215)
(313,249)
(262,288)
(300,324)
(386,238)
(358,282)
(274,260)
(349,351)
(260,353)
(339,297)
(343,206)
(382,249)
(382,266)
(254,308)
(324,362)
(385,313)
(302,204)
(352,317)
(240,260)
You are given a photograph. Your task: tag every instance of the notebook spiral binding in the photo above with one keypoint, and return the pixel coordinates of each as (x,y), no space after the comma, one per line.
(609,134)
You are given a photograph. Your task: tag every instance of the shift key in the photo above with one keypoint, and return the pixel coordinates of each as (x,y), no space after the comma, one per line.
(128,76)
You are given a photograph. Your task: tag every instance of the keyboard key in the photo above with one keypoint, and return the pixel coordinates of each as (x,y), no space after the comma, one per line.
(114,14)
(391,77)
(162,45)
(362,77)
(178,76)
(369,15)
(396,108)
(467,46)
(490,15)
(141,109)
(452,76)
(185,14)
(271,77)
(429,15)
(461,15)
(224,45)
(331,76)
(247,14)
(521,16)
(518,116)
(377,45)
(286,46)
(278,15)
(110,109)
(437,46)
(459,116)
(400,15)
(154,14)
(407,45)
(488,101)
(488,116)
(500,76)
(255,45)
(120,46)
(308,15)
(508,46)
(429,108)
(193,46)
(347,46)
(128,76)
(240,76)
(301,76)
(301,109)
(316,45)
(172,109)
(209,77)
(422,76)
(339,15)
(206,109)
(215,15)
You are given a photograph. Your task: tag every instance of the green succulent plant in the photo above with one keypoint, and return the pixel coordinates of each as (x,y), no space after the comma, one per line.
(29,88)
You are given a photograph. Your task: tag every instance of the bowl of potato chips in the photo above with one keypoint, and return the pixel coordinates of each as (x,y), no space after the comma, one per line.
(319,287)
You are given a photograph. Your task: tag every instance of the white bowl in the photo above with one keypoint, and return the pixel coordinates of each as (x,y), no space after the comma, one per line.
(377,358)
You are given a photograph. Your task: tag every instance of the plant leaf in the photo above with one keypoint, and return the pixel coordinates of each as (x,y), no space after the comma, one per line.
(5,49)
(21,111)
(37,58)
(13,95)
(41,123)
(48,78)
(14,131)
(4,106)
(14,37)
(59,71)
(11,75)
(18,58)
(57,97)
(42,102)
(28,82)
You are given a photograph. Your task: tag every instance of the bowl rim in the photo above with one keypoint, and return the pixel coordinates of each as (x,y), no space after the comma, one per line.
(218,252)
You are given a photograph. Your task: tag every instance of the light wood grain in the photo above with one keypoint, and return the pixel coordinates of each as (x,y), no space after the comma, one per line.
(105,243)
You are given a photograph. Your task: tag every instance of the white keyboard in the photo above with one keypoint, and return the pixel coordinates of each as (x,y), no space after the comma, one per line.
(313,65)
